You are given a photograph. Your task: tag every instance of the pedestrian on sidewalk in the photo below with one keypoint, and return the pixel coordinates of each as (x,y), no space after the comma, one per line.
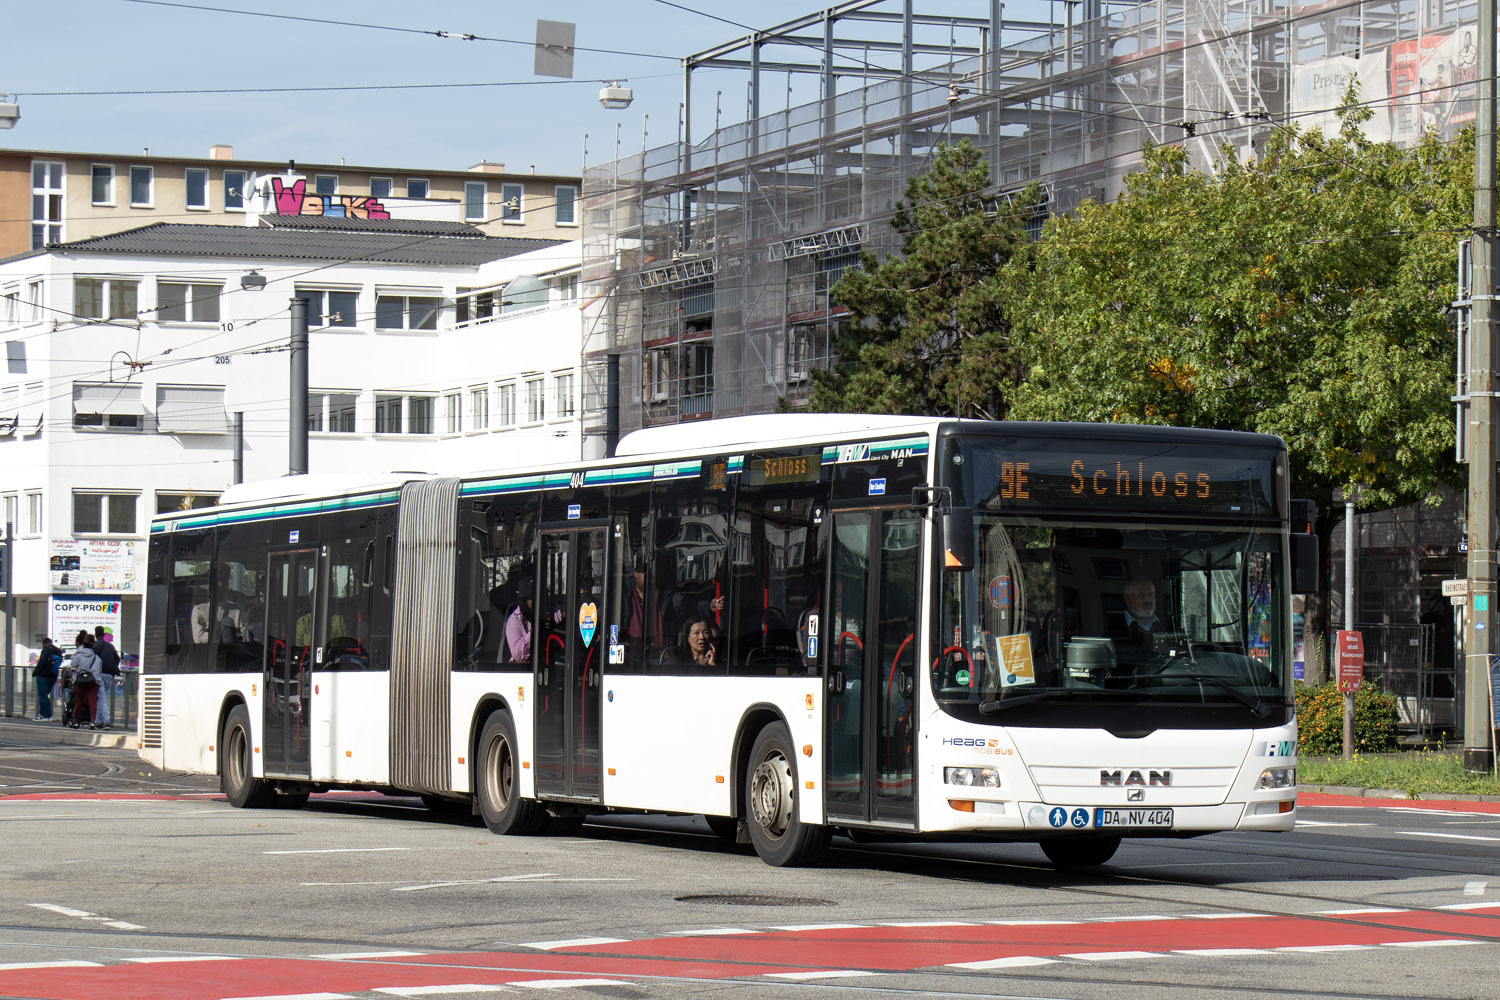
(109,676)
(48,661)
(86,672)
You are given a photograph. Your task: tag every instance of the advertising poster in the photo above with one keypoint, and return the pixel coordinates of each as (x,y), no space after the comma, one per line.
(93,565)
(67,616)
(1318,88)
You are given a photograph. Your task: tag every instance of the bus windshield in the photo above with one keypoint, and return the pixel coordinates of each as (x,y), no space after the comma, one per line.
(1114,612)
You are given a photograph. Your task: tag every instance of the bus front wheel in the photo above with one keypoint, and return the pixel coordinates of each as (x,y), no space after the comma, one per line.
(237,778)
(500,803)
(1080,852)
(779,837)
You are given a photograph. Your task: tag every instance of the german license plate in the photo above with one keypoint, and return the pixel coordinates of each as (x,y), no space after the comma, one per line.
(1132,817)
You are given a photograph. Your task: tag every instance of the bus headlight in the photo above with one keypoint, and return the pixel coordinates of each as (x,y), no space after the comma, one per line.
(1278,777)
(986,777)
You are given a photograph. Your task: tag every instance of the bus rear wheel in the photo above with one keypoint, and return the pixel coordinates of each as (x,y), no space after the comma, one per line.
(1081,852)
(237,778)
(779,837)
(500,804)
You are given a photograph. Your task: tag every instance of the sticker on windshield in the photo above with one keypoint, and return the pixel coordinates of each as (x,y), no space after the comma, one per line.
(1013,653)
(588,617)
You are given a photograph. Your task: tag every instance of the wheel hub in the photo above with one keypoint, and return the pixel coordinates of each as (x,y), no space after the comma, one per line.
(771,795)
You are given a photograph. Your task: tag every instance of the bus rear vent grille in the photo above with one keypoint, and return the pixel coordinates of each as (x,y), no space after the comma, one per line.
(151,713)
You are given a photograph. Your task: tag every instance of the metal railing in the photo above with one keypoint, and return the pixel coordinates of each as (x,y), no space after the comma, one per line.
(124,701)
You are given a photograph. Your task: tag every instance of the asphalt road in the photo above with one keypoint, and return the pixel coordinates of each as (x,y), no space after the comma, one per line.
(121,882)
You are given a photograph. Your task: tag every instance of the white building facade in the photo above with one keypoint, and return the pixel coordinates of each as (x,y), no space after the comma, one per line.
(135,362)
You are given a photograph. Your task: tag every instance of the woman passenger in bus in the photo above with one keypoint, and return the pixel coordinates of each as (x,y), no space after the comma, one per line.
(700,643)
(518,625)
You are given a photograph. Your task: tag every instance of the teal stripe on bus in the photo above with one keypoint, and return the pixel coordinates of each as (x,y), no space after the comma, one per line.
(833,454)
(274,512)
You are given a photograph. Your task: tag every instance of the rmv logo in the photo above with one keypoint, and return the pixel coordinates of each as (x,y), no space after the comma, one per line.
(1134,778)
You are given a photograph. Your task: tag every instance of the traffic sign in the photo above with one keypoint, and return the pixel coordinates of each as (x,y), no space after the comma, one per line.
(1351,660)
(1455,588)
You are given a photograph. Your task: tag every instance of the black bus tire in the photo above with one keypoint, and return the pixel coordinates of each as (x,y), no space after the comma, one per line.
(1080,852)
(237,778)
(779,837)
(496,780)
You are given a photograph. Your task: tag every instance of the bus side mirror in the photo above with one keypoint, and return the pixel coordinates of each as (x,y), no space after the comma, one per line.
(958,539)
(1304,563)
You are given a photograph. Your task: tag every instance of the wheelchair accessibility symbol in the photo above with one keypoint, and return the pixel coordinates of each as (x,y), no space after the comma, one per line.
(1058,817)
(1080,818)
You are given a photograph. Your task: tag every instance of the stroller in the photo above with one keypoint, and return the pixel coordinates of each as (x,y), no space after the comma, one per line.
(63,690)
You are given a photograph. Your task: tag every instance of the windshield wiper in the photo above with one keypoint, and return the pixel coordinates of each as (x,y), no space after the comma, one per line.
(1255,705)
(991,707)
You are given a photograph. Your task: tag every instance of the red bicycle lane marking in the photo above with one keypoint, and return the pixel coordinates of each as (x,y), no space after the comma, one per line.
(1327,799)
(879,949)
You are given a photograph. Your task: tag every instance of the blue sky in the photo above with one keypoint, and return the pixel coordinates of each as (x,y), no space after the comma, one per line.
(123,45)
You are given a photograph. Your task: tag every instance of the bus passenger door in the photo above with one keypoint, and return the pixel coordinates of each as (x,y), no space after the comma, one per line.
(871,666)
(291,606)
(569,647)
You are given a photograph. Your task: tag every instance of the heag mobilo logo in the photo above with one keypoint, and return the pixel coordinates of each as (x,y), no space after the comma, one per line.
(979,744)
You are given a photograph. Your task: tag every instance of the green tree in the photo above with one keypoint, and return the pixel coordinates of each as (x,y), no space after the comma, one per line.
(1302,294)
(929,331)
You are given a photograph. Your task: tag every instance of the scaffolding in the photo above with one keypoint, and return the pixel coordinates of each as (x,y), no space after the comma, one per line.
(708,261)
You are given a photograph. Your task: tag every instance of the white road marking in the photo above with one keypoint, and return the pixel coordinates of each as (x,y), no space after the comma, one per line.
(1446,836)
(1111,956)
(342,850)
(827,974)
(422,991)
(68,911)
(819,927)
(1219,952)
(563,984)
(1313,948)
(1032,923)
(1116,920)
(1351,913)
(47,965)
(1468,906)
(572,943)
(1474,888)
(503,878)
(153,959)
(297,996)
(1012,962)
(712,931)
(1317,822)
(926,923)
(387,881)
(1220,916)
(1439,943)
(345,956)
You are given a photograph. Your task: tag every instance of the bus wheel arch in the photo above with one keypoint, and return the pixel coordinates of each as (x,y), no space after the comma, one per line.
(497,766)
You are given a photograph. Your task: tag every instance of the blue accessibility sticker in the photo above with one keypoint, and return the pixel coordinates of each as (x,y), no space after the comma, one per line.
(1080,817)
(1058,817)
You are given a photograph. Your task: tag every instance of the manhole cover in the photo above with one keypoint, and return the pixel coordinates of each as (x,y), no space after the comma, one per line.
(751,899)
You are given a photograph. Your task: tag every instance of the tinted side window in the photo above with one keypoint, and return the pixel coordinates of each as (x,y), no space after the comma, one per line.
(690,575)
(185,568)
(351,539)
(640,623)
(236,627)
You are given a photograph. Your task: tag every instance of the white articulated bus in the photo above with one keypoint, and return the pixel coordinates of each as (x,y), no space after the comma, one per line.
(795,625)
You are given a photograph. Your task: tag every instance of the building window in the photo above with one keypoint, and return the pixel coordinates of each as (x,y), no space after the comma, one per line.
(479,409)
(329,307)
(453,408)
(475,193)
(102,184)
(234,191)
(33,514)
(562,386)
(406,312)
(470,306)
(417,412)
(416,188)
(659,375)
(330,412)
(567,288)
(46,203)
(10,307)
(536,402)
(34,301)
(109,406)
(505,404)
(10,510)
(195,191)
(105,298)
(140,187)
(181,302)
(167,503)
(104,513)
(191,409)
(566,211)
(325,184)
(380,187)
(510,203)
